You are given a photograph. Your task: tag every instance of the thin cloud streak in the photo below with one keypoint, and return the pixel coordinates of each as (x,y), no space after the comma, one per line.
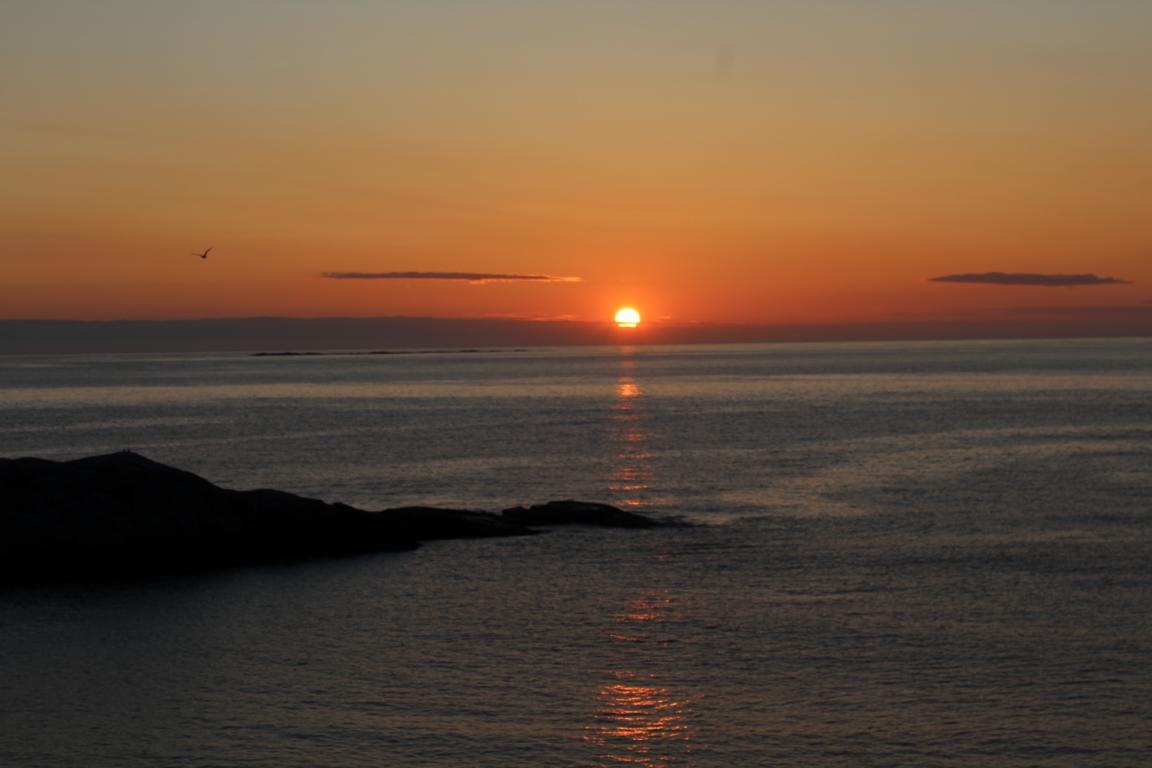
(1030,278)
(477,278)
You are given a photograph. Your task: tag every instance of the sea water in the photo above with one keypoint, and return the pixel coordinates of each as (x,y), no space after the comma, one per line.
(900,554)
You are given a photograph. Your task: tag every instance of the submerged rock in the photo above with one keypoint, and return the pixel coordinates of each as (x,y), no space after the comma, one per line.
(123,515)
(428,523)
(569,512)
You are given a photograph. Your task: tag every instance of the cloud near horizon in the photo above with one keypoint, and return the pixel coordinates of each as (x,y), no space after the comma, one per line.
(1030,278)
(478,278)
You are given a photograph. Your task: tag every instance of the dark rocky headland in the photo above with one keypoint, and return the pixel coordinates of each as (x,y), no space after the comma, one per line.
(122,515)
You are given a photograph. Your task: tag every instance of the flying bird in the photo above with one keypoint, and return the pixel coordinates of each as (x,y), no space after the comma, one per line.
(204,255)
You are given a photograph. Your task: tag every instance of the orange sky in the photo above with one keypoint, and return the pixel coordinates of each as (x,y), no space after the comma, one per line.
(705,162)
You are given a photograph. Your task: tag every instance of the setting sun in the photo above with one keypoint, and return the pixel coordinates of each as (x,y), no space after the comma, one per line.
(626,317)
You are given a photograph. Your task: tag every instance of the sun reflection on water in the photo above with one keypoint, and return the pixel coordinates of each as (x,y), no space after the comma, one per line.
(648,607)
(638,718)
(639,721)
(631,476)
(627,388)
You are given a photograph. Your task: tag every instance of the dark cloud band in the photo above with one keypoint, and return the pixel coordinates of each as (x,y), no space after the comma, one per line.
(467,277)
(1029,278)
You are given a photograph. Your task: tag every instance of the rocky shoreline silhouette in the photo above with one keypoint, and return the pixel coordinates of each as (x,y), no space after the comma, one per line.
(123,515)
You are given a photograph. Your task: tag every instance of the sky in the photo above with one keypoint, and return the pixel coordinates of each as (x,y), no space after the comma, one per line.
(795,163)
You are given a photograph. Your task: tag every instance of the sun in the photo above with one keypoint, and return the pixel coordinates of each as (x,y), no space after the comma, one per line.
(626,317)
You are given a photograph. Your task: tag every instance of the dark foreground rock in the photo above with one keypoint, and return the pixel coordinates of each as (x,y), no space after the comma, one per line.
(123,515)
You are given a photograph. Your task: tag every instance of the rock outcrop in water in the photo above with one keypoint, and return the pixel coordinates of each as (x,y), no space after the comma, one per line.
(429,523)
(123,515)
(571,512)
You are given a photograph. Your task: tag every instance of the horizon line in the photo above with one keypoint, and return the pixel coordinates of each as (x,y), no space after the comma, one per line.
(30,336)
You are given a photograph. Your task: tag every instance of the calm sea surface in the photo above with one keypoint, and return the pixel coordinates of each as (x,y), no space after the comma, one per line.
(906,555)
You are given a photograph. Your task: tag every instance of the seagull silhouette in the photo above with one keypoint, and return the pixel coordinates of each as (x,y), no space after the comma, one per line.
(205,254)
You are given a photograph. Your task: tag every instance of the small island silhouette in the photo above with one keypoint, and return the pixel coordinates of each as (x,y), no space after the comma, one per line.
(123,515)
(369,352)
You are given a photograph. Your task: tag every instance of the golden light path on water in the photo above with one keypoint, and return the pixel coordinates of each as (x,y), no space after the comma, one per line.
(637,721)
(631,474)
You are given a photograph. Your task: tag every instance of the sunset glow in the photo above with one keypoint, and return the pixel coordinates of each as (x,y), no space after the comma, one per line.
(777,164)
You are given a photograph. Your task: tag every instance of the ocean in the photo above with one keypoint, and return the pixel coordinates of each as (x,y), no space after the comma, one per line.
(899,554)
